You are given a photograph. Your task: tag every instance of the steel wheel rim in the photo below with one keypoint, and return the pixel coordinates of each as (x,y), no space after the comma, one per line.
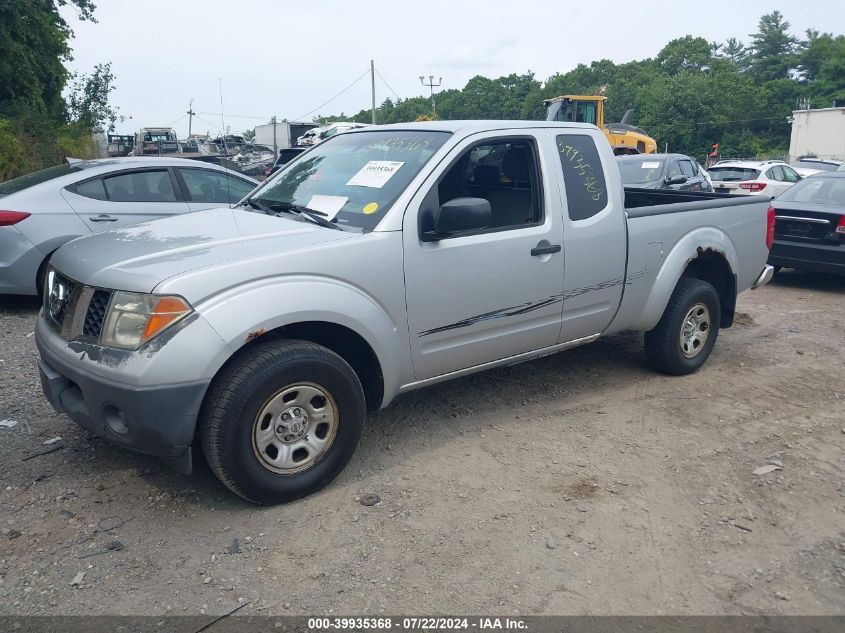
(295,428)
(695,330)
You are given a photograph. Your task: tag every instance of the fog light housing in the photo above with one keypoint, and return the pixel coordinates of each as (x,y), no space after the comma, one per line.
(115,420)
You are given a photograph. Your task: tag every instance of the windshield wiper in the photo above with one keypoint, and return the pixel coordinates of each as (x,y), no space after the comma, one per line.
(257,205)
(288,207)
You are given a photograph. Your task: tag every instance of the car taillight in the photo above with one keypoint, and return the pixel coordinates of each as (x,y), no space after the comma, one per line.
(840,228)
(8,218)
(753,187)
(770,228)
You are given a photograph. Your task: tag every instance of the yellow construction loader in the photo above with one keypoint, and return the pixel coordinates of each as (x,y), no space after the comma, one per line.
(624,137)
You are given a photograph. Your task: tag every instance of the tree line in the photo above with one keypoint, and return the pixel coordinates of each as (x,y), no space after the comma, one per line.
(693,94)
(46,112)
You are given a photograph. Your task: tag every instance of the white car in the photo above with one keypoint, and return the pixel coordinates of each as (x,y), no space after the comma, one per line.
(807,165)
(45,209)
(750,177)
(320,134)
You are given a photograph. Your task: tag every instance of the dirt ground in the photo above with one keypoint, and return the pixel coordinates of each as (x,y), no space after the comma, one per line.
(581,483)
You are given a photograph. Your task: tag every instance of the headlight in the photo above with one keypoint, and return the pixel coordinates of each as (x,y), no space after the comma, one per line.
(134,318)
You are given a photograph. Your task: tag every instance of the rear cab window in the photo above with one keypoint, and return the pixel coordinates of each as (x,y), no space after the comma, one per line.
(583,175)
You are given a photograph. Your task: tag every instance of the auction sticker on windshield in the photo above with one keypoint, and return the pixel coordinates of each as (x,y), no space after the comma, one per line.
(651,165)
(375,173)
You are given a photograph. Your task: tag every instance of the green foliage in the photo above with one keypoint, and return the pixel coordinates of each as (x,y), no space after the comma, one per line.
(693,94)
(774,49)
(37,126)
(88,100)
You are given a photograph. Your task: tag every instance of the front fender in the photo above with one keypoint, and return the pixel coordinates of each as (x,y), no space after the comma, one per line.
(686,249)
(244,312)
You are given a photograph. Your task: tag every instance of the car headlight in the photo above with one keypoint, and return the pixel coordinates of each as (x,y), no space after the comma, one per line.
(134,318)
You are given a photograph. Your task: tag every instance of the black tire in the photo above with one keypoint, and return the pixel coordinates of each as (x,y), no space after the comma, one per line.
(663,344)
(776,270)
(240,392)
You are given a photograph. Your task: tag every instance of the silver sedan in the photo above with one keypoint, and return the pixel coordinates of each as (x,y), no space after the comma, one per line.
(41,211)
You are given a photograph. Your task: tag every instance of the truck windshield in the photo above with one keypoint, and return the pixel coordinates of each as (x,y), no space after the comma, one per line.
(637,171)
(352,178)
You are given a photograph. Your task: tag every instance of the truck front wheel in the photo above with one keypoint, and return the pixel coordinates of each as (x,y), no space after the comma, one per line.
(687,331)
(282,421)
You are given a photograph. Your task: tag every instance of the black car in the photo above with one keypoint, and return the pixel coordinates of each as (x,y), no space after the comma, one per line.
(662,171)
(810,225)
(286,155)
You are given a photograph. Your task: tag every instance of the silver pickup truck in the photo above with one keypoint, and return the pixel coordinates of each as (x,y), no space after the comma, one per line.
(380,261)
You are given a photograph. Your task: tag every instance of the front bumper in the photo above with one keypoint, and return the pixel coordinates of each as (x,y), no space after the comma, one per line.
(158,420)
(824,258)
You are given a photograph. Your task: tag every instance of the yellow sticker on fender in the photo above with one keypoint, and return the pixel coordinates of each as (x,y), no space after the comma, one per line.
(371,208)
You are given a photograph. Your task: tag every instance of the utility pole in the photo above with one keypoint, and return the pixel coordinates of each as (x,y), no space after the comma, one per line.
(373,87)
(432,85)
(275,144)
(190,114)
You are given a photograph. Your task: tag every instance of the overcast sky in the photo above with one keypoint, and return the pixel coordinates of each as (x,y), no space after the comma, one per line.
(287,58)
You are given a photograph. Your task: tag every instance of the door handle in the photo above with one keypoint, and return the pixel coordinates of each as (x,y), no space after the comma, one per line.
(545,250)
(103,218)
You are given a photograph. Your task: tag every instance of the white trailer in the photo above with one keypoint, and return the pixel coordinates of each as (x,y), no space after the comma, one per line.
(819,133)
(286,133)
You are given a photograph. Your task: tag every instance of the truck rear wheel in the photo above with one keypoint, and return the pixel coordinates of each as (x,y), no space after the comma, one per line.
(687,331)
(282,421)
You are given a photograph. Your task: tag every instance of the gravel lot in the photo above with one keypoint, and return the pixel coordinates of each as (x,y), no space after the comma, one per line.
(580,483)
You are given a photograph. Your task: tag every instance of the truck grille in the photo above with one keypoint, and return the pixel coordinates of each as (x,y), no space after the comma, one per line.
(60,298)
(73,310)
(96,313)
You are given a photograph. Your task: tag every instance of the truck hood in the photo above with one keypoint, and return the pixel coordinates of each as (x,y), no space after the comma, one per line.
(141,256)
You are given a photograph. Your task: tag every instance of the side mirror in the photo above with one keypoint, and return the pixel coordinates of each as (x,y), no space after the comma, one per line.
(676,180)
(460,215)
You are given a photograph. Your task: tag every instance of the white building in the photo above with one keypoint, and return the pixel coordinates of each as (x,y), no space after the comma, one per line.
(819,133)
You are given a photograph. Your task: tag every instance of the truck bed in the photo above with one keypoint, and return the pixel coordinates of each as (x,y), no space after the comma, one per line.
(641,202)
(658,248)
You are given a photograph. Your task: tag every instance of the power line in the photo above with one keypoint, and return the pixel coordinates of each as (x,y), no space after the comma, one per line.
(387,84)
(238,116)
(364,74)
(177,120)
(214,125)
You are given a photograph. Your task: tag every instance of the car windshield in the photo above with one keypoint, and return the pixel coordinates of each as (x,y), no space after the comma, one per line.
(352,178)
(733,174)
(36,178)
(816,164)
(636,171)
(828,190)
